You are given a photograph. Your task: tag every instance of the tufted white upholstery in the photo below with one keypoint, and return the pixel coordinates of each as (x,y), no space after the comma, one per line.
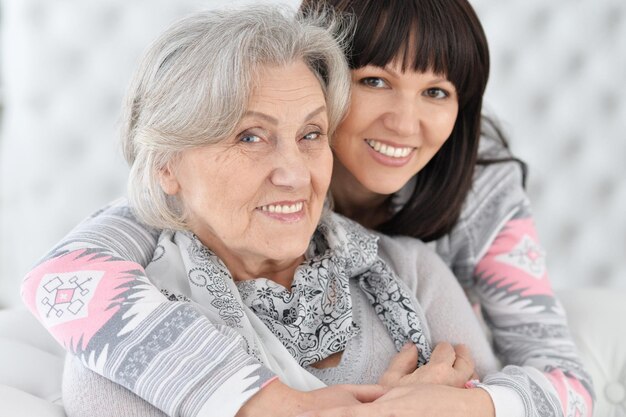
(596,318)
(559,85)
(31,365)
(31,362)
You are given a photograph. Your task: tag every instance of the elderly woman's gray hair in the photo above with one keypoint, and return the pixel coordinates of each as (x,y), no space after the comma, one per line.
(194,84)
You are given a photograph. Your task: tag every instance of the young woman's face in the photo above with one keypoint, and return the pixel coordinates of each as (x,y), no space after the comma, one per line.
(396,123)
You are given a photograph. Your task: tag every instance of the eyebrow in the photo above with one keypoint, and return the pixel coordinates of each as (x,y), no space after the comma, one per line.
(274,121)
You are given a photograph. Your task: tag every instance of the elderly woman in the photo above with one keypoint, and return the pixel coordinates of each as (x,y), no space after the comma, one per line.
(268,298)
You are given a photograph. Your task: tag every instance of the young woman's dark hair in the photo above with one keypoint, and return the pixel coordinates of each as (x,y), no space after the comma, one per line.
(444,36)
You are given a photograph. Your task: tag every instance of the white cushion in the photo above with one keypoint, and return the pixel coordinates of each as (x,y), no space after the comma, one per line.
(31,365)
(17,403)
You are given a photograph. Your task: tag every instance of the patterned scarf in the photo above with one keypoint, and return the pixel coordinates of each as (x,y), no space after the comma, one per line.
(312,319)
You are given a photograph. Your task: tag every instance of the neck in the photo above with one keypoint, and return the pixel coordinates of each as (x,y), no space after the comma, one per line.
(244,268)
(356,202)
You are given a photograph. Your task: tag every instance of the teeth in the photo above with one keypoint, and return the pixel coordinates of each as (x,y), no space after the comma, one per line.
(283,209)
(389,150)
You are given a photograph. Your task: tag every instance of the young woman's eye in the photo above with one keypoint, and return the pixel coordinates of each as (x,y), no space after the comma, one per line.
(374,82)
(437,93)
(249,138)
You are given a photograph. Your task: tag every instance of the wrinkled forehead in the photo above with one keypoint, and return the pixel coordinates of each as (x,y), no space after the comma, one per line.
(286,93)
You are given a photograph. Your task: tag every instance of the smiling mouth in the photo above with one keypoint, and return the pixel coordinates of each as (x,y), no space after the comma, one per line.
(388,150)
(283,208)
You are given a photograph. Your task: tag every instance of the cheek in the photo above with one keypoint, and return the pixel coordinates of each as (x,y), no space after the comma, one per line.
(347,139)
(359,116)
(444,124)
(321,171)
(234,172)
(211,194)
(342,135)
(452,114)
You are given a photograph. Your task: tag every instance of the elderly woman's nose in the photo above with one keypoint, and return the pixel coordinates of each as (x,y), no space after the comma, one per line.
(290,169)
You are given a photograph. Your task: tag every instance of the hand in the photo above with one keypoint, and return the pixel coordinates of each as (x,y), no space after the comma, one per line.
(424,400)
(279,400)
(448,365)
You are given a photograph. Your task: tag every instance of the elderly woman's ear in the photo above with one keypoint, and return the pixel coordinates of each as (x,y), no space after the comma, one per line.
(168,180)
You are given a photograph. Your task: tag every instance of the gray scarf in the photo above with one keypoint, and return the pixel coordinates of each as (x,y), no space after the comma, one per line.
(312,319)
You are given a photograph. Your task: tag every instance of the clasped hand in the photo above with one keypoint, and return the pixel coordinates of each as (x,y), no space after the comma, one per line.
(434,389)
(449,365)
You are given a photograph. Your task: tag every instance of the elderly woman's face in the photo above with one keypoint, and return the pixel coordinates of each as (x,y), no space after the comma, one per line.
(258,195)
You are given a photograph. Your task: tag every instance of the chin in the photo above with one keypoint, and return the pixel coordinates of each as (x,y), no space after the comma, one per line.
(288,250)
(384,187)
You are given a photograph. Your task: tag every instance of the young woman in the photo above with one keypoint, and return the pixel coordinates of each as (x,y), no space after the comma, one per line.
(410,160)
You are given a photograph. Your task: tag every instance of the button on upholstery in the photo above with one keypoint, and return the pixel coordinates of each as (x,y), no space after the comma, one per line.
(615,392)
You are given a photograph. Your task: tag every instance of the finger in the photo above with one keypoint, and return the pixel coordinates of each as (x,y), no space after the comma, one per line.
(366,393)
(463,364)
(443,353)
(403,363)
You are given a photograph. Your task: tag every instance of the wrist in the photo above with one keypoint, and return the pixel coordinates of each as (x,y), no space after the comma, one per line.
(506,401)
(275,399)
(478,403)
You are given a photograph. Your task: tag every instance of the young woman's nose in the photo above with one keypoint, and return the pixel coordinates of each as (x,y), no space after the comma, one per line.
(403,117)
(290,168)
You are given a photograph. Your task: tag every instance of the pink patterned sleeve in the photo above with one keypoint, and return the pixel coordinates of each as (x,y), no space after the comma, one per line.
(529,330)
(91,293)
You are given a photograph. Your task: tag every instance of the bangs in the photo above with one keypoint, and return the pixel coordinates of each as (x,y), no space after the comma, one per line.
(441,36)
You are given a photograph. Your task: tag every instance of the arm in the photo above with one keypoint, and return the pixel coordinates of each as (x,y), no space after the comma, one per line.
(497,256)
(113,230)
(92,294)
(86,393)
(529,326)
(423,400)
(279,400)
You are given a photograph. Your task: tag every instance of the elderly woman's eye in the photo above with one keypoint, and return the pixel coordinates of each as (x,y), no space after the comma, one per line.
(437,93)
(374,82)
(312,135)
(249,138)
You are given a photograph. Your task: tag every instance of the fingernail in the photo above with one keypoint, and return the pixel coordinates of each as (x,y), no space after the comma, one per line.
(408,345)
(472,383)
